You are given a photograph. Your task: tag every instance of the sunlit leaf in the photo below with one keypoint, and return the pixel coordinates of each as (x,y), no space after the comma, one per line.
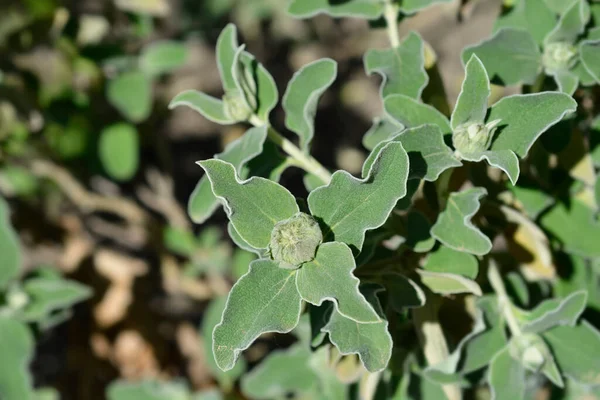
(506,377)
(448,283)
(451,261)
(472,103)
(412,113)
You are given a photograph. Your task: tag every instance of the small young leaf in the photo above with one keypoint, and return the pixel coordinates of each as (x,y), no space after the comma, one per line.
(207,106)
(451,261)
(10,251)
(472,103)
(556,312)
(589,55)
(263,300)
(448,283)
(372,342)
(412,6)
(131,94)
(523,118)
(402,68)
(203,203)
(227,46)
(162,57)
(118,150)
(571,24)
(49,295)
(351,8)
(302,96)
(412,113)
(511,55)
(17,347)
(454,228)
(506,377)
(329,277)
(382,129)
(253,206)
(348,206)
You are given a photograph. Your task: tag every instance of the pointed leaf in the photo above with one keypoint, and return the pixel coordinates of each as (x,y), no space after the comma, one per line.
(253,206)
(263,300)
(10,251)
(571,24)
(412,113)
(207,106)
(382,129)
(202,202)
(451,261)
(329,277)
(511,55)
(589,55)
(118,150)
(16,347)
(351,8)
(454,228)
(227,45)
(347,207)
(506,377)
(448,283)
(50,295)
(556,312)
(523,118)
(131,94)
(472,103)
(302,96)
(402,67)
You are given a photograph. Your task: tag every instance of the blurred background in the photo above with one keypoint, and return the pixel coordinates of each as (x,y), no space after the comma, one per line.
(97,171)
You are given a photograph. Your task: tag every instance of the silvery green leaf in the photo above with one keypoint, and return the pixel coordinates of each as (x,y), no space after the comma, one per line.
(567,81)
(369,9)
(226,48)
(49,295)
(402,68)
(118,150)
(472,103)
(506,377)
(162,57)
(147,390)
(10,251)
(428,154)
(571,24)
(281,373)
(454,228)
(535,355)
(554,312)
(212,316)
(311,182)
(329,277)
(448,283)
(263,300)
(560,6)
(347,207)
(331,387)
(17,347)
(240,242)
(253,206)
(589,56)
(451,261)
(202,202)
(411,113)
(506,160)
(372,342)
(412,6)
(383,128)
(131,94)
(532,15)
(525,117)
(418,236)
(403,293)
(511,56)
(302,96)
(207,106)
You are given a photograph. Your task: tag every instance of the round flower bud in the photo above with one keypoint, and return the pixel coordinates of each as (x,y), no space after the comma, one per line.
(294,241)
(474,138)
(531,350)
(559,56)
(16,298)
(236,107)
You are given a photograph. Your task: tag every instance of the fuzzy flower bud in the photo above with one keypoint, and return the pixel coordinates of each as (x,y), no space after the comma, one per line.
(474,138)
(236,107)
(294,241)
(559,56)
(531,350)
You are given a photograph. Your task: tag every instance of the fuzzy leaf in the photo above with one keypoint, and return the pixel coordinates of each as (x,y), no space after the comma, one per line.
(118,150)
(506,160)
(263,300)
(147,390)
(10,250)
(203,203)
(382,129)
(523,118)
(131,94)
(418,236)
(369,9)
(302,96)
(372,342)
(253,206)
(412,113)
(472,103)
(589,56)
(49,295)
(17,347)
(402,67)
(556,312)
(532,15)
(567,81)
(560,6)
(402,292)
(347,207)
(571,24)
(511,55)
(448,283)
(454,228)
(227,46)
(428,154)
(207,106)
(162,57)
(412,6)
(451,261)
(329,277)
(506,377)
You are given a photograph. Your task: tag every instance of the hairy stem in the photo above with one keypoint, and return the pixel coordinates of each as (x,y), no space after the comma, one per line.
(503,300)
(390,14)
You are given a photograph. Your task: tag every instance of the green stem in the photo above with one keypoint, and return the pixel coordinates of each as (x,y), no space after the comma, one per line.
(390,14)
(503,300)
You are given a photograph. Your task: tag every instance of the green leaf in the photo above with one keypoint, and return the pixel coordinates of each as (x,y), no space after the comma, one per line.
(451,261)
(302,96)
(280,374)
(347,207)
(511,55)
(50,295)
(402,292)
(560,6)
(418,236)
(203,203)
(454,228)
(427,153)
(571,24)
(212,316)
(351,8)
(411,113)
(147,390)
(382,129)
(402,68)
(179,241)
(525,117)
(567,81)
(532,15)
(535,355)
(448,283)
(506,160)
(372,342)
(263,300)
(207,106)
(575,227)
(162,57)
(17,347)
(412,6)
(253,206)
(589,56)
(226,49)
(118,150)
(532,200)
(10,250)
(472,103)
(131,94)
(506,377)
(556,312)
(329,277)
